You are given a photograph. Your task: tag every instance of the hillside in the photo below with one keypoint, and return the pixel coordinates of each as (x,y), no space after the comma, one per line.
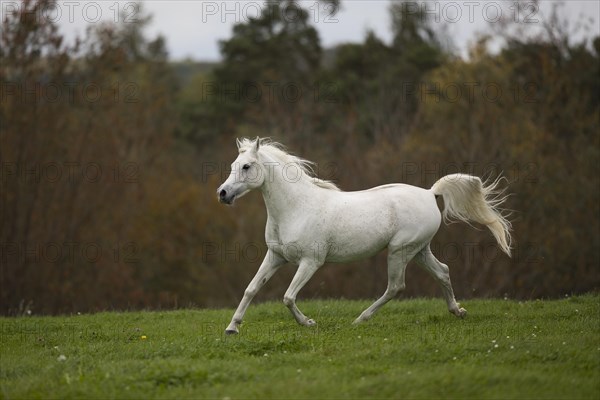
(411,349)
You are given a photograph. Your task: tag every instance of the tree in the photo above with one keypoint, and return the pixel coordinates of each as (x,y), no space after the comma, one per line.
(80,126)
(268,72)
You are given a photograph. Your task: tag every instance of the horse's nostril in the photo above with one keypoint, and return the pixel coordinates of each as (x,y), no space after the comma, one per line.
(222,193)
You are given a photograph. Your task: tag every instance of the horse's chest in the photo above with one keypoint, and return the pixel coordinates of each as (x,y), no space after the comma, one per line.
(281,233)
(289,240)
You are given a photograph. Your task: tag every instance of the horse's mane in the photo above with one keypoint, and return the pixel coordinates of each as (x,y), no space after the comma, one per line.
(278,152)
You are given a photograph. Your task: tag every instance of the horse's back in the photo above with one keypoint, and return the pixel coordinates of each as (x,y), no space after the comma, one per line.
(364,222)
(415,208)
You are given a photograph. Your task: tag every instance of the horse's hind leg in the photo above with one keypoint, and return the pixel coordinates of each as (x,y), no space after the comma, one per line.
(440,272)
(397,261)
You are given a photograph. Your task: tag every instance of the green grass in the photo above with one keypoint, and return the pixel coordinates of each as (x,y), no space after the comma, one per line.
(410,349)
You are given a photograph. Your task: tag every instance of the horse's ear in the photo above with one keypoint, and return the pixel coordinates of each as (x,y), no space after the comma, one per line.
(257,143)
(238,143)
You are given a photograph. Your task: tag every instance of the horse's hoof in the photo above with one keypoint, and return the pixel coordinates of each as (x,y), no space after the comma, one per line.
(460,313)
(231,331)
(362,318)
(310,322)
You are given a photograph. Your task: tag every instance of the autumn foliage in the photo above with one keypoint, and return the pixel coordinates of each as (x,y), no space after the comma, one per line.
(110,159)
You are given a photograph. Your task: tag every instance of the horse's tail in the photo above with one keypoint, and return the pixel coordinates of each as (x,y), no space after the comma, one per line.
(466,199)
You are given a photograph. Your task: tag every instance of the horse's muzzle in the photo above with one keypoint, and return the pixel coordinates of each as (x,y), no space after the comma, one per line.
(225,197)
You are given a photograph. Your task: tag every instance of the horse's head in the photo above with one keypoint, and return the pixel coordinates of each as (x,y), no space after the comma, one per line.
(246,174)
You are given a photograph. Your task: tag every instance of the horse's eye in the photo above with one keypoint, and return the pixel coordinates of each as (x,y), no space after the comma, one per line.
(246,167)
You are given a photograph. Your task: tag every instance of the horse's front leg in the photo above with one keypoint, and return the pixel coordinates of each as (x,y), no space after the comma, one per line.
(306,270)
(268,267)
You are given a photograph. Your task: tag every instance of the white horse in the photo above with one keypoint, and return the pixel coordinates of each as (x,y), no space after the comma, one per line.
(311,222)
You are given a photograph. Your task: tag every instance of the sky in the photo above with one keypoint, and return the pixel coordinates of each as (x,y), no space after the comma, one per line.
(193,28)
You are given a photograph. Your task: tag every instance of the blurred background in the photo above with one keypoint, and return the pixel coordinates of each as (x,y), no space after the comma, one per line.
(118,122)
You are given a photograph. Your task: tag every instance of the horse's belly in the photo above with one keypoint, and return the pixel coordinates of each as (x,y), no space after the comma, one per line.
(339,253)
(362,237)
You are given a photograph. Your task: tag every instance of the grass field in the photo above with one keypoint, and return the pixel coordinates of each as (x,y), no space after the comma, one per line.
(412,349)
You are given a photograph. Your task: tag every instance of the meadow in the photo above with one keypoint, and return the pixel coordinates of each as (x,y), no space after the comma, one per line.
(412,349)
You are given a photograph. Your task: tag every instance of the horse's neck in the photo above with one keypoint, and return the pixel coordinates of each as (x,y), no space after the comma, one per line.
(284,197)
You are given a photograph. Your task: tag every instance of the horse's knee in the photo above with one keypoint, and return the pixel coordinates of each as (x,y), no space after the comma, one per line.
(288,301)
(250,292)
